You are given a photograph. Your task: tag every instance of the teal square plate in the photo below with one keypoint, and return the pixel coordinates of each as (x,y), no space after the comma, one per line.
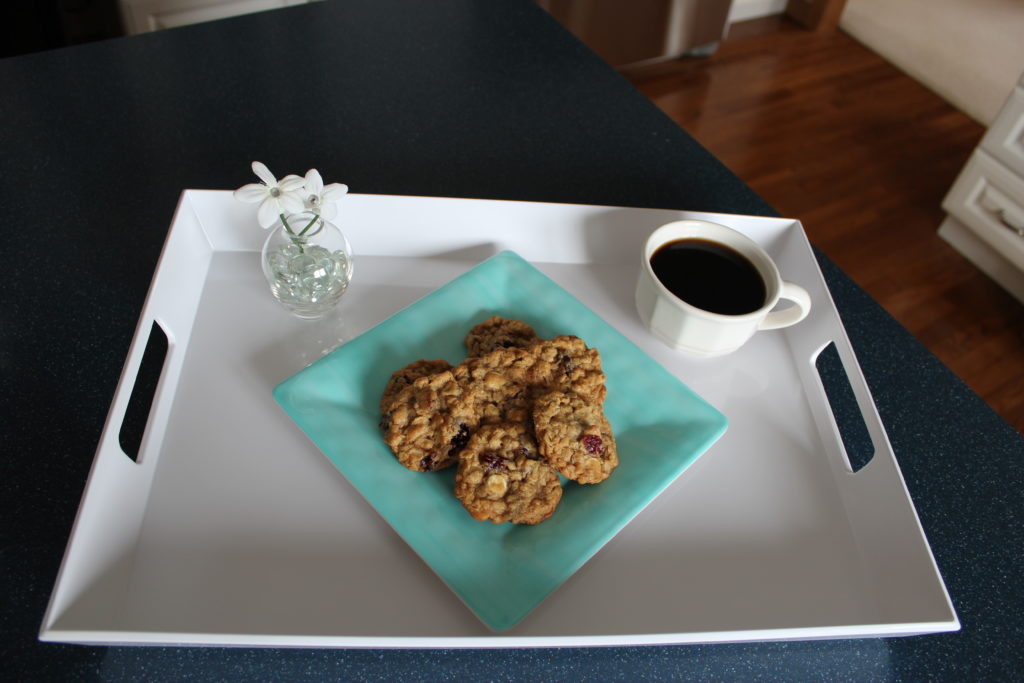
(500,571)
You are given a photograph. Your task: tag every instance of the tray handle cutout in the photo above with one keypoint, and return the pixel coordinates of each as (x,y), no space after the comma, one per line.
(140,403)
(846,414)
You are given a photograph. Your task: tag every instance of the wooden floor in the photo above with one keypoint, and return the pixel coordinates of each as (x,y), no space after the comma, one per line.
(828,132)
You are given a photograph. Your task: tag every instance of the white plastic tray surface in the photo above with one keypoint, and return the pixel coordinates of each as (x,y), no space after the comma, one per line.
(231,528)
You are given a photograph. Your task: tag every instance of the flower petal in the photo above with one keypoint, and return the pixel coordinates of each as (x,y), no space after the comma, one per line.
(291,203)
(334,192)
(314,183)
(251,193)
(268,212)
(263,173)
(291,183)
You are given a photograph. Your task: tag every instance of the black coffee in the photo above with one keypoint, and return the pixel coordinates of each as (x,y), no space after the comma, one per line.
(710,276)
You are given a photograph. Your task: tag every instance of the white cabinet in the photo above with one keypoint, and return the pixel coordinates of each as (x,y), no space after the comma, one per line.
(149,15)
(1005,139)
(985,206)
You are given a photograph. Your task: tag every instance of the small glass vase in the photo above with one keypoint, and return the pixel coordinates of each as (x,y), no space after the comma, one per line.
(308,263)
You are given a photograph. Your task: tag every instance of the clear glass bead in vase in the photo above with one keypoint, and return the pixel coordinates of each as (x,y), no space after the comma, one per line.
(308,263)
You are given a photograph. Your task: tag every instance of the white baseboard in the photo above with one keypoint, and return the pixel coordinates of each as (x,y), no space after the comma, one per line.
(742,10)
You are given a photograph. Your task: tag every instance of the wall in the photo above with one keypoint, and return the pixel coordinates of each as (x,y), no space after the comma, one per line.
(741,10)
(971,52)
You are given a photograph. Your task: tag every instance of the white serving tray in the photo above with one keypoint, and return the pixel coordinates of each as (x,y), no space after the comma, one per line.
(232,529)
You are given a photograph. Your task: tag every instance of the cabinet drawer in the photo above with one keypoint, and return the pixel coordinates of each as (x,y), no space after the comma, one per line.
(1005,139)
(989,200)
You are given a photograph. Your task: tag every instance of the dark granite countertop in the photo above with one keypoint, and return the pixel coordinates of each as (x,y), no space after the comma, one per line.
(458,98)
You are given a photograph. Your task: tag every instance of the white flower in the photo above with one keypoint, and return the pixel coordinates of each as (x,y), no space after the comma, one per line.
(275,197)
(319,199)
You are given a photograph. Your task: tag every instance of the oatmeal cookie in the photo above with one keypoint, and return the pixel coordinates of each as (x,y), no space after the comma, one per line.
(566,364)
(514,363)
(500,399)
(501,380)
(502,477)
(403,377)
(575,437)
(499,333)
(430,421)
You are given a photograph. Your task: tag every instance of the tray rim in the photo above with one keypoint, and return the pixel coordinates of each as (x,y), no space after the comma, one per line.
(51,631)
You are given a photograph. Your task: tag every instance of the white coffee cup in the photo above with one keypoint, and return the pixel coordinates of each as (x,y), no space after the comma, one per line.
(689,328)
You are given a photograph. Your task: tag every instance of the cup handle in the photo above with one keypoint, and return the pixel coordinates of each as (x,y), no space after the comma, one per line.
(792,315)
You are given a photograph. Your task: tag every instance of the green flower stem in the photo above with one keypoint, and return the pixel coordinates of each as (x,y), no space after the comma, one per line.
(309,225)
(285,222)
(291,234)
